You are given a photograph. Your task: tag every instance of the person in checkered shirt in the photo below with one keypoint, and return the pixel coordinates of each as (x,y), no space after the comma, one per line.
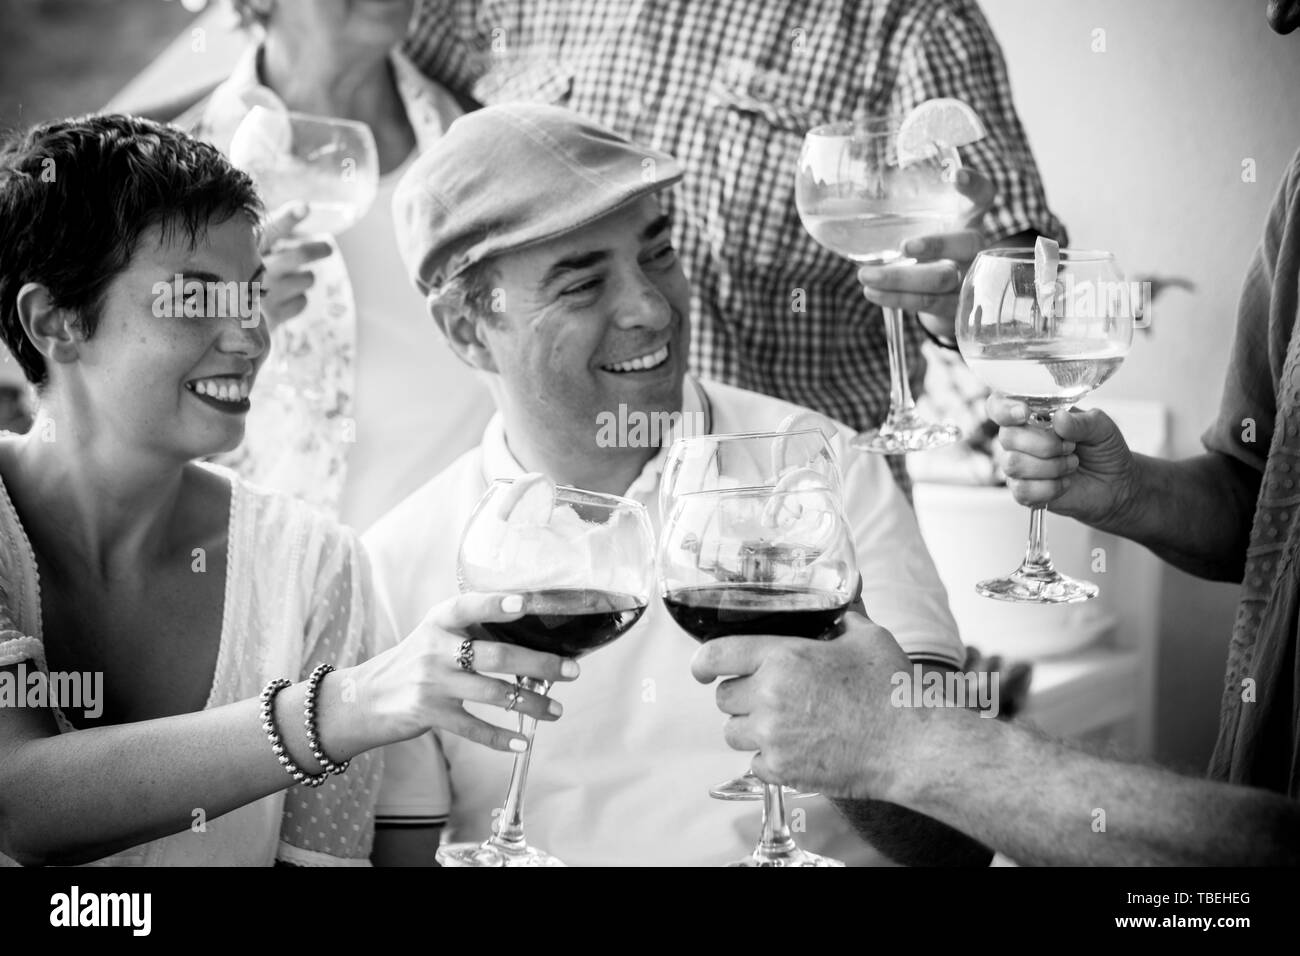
(730,88)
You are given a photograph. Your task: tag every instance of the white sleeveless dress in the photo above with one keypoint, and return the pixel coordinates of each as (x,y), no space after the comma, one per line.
(298,592)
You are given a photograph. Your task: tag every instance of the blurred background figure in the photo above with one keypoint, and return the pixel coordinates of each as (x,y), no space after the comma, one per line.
(362,401)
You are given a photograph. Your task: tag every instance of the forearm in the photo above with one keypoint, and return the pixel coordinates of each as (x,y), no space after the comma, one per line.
(911,838)
(1040,802)
(77,797)
(1195,513)
(908,837)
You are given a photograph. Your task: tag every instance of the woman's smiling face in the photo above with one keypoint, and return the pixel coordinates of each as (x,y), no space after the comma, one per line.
(154,378)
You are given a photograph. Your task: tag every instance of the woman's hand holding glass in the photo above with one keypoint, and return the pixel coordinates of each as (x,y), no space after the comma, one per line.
(420,683)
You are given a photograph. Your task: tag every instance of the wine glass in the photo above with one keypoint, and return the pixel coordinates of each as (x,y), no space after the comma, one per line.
(1046,340)
(330,164)
(584,565)
(759,561)
(800,457)
(746,460)
(862,199)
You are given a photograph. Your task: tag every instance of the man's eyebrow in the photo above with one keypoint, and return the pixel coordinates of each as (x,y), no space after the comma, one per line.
(586,260)
(656,226)
(583,260)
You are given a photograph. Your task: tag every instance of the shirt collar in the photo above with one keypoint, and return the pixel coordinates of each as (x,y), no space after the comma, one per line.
(500,462)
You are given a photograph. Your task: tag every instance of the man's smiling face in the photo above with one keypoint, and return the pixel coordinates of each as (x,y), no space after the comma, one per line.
(595,319)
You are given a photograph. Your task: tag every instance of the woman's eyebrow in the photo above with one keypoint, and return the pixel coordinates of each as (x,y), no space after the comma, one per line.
(204,275)
(201,274)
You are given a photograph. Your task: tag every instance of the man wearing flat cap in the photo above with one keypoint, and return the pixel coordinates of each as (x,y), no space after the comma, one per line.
(540,243)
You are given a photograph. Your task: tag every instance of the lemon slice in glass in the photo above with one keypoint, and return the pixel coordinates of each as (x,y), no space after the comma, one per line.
(936,123)
(1047,259)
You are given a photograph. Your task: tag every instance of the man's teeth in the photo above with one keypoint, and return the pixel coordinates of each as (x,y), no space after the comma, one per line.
(222,389)
(641,363)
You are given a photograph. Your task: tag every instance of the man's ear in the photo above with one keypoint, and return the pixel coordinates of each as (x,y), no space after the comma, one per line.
(464,332)
(50,328)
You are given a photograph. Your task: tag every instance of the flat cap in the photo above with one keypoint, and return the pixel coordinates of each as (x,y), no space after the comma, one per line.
(508,176)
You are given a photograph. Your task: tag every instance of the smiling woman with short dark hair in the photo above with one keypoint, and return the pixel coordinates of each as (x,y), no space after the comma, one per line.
(211,613)
(74,237)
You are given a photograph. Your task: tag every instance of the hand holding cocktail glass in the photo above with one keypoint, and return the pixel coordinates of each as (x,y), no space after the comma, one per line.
(1081,466)
(930,283)
(318,176)
(1044,327)
(866,187)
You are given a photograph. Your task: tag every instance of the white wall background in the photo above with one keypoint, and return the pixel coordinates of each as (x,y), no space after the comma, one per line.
(1141,149)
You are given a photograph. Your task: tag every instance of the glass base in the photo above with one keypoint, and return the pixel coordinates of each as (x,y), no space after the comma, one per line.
(1034,586)
(906,433)
(749,787)
(791,857)
(490,854)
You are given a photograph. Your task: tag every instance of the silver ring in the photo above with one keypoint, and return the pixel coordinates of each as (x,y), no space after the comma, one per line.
(515,695)
(465,655)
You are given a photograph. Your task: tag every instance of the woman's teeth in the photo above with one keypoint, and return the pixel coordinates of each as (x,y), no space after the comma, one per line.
(222,389)
(641,363)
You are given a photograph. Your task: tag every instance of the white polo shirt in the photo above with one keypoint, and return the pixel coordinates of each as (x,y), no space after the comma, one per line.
(622,778)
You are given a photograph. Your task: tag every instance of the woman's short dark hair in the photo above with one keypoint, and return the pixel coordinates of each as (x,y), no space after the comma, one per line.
(75,197)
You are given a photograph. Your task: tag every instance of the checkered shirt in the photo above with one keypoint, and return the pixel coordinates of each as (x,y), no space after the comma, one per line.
(730,88)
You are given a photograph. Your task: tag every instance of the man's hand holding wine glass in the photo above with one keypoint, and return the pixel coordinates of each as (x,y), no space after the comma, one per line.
(819,713)
(1082,466)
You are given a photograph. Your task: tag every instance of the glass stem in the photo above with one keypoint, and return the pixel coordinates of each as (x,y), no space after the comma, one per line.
(1037,557)
(900,392)
(776,840)
(508,834)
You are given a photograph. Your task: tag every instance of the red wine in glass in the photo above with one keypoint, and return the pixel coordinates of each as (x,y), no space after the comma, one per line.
(710,611)
(570,622)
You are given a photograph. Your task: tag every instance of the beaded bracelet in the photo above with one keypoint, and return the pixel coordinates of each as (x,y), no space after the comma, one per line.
(277,744)
(313,737)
